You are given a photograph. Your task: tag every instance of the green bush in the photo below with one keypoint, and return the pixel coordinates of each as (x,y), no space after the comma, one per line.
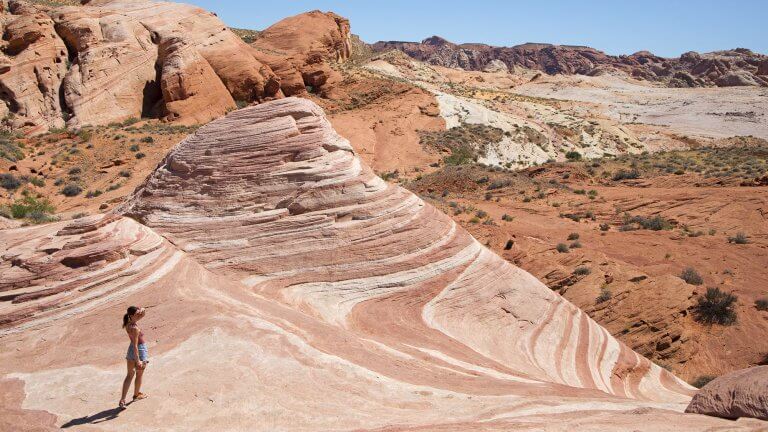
(147,139)
(626,175)
(715,307)
(761,304)
(134,148)
(93,194)
(139,155)
(582,271)
(71,190)
(9,182)
(573,236)
(24,207)
(573,155)
(125,173)
(562,248)
(507,218)
(691,276)
(702,381)
(605,295)
(9,148)
(575,245)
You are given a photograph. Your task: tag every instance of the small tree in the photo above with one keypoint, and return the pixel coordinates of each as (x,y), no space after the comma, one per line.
(716,307)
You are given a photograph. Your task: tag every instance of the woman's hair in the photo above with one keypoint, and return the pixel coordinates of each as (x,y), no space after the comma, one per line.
(131,310)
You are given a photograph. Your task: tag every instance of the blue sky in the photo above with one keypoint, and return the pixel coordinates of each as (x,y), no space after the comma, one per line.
(667,28)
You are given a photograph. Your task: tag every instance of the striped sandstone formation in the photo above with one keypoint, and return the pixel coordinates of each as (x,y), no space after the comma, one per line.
(290,288)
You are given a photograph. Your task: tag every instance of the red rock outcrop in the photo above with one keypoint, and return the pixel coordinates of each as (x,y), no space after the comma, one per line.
(111,60)
(32,66)
(738,67)
(310,294)
(738,394)
(300,47)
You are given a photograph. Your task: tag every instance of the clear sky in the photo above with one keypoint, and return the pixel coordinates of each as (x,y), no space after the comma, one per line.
(664,27)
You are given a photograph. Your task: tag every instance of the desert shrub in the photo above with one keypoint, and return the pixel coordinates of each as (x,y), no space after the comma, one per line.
(474,220)
(38,217)
(488,196)
(93,193)
(580,191)
(604,227)
(573,236)
(702,381)
(26,206)
(125,173)
(575,245)
(481,214)
(527,199)
(582,271)
(37,181)
(739,238)
(573,155)
(84,135)
(241,104)
(75,171)
(79,215)
(147,140)
(9,182)
(761,304)
(715,307)
(691,276)
(114,186)
(498,184)
(605,295)
(134,148)
(71,190)
(626,175)
(562,248)
(507,218)
(9,148)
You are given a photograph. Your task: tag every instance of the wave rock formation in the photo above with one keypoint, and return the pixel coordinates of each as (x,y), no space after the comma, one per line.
(290,288)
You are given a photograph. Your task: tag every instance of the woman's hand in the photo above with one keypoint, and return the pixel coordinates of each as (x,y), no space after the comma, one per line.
(141,364)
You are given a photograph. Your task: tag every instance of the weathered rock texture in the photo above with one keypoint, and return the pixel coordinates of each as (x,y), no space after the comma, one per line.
(738,67)
(111,60)
(33,64)
(299,48)
(295,290)
(738,394)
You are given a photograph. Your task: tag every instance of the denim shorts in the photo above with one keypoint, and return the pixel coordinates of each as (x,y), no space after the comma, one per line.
(143,353)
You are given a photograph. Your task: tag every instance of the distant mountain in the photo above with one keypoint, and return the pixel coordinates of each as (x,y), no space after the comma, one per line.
(737,67)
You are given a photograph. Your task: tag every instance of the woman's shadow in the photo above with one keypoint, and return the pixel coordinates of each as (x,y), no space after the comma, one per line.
(106,415)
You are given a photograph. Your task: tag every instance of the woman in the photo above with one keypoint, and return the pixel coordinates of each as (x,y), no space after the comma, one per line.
(137,357)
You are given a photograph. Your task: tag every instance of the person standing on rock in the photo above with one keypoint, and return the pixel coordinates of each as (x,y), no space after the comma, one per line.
(137,357)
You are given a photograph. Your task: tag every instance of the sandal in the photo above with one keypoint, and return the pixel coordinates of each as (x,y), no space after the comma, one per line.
(139,396)
(121,405)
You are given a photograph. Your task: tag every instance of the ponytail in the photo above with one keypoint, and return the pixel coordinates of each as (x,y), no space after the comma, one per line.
(127,317)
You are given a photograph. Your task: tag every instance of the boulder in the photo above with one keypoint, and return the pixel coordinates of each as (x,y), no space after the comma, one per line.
(743,393)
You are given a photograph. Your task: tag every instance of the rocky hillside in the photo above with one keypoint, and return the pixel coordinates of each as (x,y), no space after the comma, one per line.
(738,67)
(306,286)
(111,60)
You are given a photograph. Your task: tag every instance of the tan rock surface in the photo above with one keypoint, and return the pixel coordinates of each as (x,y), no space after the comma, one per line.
(743,393)
(295,290)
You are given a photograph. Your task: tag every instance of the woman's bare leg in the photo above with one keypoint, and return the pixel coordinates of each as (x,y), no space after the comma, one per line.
(128,378)
(137,385)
